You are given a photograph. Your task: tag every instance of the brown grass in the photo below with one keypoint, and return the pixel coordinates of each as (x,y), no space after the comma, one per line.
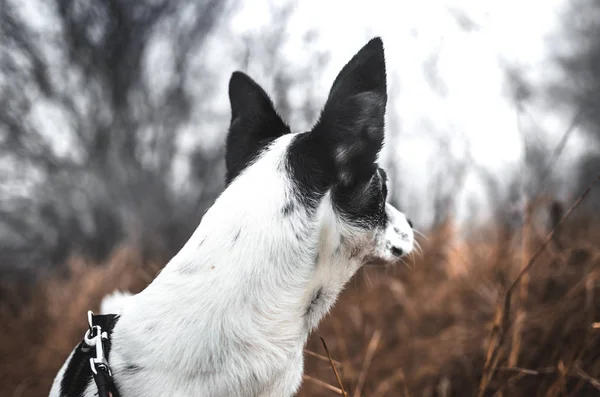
(421,330)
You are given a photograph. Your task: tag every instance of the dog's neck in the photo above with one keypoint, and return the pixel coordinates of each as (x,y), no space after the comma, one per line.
(263,273)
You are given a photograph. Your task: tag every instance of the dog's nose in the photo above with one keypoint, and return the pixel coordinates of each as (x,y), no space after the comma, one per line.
(397,252)
(409,223)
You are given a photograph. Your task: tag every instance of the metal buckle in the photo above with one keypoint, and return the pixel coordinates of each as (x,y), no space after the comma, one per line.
(96,341)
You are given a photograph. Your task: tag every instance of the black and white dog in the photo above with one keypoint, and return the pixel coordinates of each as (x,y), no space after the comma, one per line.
(230,314)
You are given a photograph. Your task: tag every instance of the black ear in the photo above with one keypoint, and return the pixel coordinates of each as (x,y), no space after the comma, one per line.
(254,123)
(351,125)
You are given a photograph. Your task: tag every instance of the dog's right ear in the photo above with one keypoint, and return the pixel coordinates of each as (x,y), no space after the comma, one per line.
(345,142)
(254,123)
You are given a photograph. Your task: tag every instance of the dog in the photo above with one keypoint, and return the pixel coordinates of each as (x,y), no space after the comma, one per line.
(231,312)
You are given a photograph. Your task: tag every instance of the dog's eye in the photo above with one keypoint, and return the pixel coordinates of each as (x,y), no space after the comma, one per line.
(382,174)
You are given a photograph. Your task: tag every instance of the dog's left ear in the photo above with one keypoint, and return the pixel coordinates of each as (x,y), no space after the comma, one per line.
(254,123)
(351,125)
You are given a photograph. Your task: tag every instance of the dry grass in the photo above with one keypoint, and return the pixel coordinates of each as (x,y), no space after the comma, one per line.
(41,327)
(433,322)
(421,330)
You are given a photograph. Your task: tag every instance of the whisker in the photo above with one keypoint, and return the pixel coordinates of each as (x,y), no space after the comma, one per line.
(418,248)
(368,279)
(421,234)
(412,255)
(407,265)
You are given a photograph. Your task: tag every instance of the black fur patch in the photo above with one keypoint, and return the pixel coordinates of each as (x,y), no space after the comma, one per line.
(318,294)
(132,369)
(363,205)
(312,177)
(340,151)
(288,209)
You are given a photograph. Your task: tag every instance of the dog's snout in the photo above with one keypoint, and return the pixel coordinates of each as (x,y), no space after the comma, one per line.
(399,235)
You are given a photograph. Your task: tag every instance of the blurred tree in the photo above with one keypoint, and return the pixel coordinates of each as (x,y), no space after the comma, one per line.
(449,172)
(92,98)
(535,177)
(577,53)
(391,162)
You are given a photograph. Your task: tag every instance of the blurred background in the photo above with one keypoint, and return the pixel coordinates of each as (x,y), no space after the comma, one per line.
(112,122)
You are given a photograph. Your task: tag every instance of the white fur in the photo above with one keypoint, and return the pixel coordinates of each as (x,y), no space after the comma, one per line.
(230,314)
(113,303)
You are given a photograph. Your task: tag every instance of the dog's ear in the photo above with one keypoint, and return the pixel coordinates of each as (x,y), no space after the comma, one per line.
(351,125)
(254,123)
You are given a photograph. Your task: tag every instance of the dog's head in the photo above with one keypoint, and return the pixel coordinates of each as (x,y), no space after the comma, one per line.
(323,185)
